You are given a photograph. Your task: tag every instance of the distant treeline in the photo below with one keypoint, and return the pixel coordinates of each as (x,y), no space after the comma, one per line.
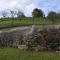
(36,13)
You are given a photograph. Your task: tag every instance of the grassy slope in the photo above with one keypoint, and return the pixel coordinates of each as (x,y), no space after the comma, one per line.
(16,54)
(9,22)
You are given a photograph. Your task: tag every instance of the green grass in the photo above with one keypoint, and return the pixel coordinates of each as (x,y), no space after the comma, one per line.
(9,22)
(16,54)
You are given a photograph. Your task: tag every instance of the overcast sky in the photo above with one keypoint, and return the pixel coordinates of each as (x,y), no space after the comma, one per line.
(28,5)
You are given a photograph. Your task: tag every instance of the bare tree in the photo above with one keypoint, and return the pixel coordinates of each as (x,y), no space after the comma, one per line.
(20,14)
(13,13)
(4,13)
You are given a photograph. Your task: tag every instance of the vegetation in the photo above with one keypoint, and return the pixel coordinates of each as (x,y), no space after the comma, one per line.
(16,54)
(17,18)
(52,15)
(11,22)
(37,13)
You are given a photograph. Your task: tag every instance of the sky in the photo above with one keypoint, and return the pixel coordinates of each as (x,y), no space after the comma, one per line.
(27,6)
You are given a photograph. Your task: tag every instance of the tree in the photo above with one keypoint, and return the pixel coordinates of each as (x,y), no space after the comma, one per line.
(58,16)
(52,15)
(37,13)
(20,14)
(4,13)
(13,13)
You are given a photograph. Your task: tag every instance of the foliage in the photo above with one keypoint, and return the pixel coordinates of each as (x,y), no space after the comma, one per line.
(13,13)
(37,13)
(20,14)
(52,15)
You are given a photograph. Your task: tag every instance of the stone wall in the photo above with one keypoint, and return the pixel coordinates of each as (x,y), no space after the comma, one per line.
(10,37)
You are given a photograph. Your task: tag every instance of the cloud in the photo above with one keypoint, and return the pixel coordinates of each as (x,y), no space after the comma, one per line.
(27,6)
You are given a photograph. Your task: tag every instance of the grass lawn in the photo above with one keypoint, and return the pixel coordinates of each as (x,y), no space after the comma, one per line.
(9,22)
(16,54)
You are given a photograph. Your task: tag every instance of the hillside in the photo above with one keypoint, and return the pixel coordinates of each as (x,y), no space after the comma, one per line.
(13,22)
